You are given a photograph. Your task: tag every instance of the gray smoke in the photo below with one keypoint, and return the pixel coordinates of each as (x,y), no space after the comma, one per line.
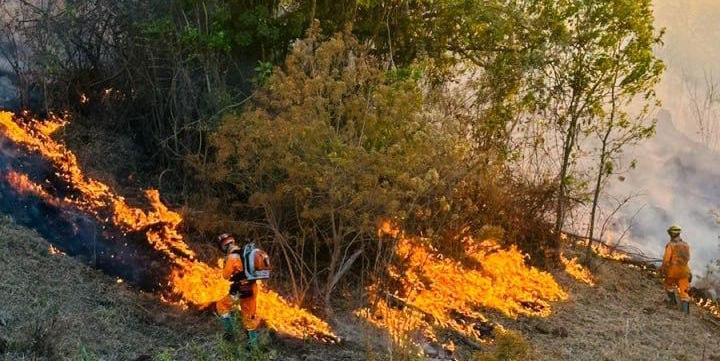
(678,179)
(678,176)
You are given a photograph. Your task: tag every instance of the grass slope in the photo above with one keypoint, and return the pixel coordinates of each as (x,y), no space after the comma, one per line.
(53,307)
(624,317)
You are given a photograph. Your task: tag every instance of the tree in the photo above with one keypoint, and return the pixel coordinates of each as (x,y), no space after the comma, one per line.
(605,53)
(619,127)
(329,147)
(705,108)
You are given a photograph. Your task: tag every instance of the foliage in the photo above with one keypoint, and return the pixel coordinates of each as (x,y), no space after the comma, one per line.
(602,49)
(450,118)
(329,148)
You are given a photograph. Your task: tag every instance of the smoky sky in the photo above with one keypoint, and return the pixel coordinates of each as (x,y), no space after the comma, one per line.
(678,180)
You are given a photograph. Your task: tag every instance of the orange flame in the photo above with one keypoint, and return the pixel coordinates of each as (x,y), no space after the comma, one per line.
(605,251)
(712,307)
(577,271)
(194,282)
(436,290)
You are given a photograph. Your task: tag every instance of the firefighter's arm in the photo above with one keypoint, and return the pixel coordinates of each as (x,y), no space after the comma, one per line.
(233,263)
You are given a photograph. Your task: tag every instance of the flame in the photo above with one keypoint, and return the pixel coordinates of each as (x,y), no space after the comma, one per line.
(191,282)
(282,316)
(24,185)
(712,307)
(577,271)
(605,251)
(439,291)
(54,251)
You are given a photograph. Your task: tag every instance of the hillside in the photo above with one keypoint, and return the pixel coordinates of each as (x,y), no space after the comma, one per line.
(55,308)
(624,317)
(410,171)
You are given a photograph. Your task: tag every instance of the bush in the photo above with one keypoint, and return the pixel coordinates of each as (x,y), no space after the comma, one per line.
(329,148)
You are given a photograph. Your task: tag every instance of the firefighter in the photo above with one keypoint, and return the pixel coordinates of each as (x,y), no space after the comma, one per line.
(243,267)
(676,271)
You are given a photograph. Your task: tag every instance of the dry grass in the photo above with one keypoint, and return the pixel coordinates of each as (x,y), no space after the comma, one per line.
(624,318)
(52,307)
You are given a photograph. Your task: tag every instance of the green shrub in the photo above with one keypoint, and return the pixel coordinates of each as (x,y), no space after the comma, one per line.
(329,147)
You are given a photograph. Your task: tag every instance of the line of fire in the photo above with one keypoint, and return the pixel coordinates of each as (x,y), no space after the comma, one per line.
(43,187)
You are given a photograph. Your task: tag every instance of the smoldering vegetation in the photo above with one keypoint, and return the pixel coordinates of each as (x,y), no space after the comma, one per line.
(73,230)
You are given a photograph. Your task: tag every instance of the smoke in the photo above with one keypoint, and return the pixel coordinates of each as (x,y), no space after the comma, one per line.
(677,179)
(677,175)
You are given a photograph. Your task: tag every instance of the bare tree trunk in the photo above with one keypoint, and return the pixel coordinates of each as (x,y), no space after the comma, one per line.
(569,144)
(596,192)
(604,154)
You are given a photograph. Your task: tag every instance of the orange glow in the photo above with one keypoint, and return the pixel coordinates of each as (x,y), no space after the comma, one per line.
(22,184)
(712,307)
(577,271)
(282,316)
(607,252)
(436,290)
(191,282)
(54,251)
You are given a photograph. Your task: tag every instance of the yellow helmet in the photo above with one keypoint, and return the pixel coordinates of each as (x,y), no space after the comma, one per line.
(674,230)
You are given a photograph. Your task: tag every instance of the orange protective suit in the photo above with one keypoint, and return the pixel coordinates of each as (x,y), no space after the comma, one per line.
(675,268)
(243,291)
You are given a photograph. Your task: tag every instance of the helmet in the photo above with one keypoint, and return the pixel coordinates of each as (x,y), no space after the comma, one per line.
(674,230)
(224,241)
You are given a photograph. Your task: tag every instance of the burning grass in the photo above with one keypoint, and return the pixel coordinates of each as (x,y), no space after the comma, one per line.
(191,282)
(436,291)
(577,271)
(605,251)
(712,307)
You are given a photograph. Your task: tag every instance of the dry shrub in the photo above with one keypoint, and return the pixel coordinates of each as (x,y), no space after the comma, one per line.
(329,147)
(509,346)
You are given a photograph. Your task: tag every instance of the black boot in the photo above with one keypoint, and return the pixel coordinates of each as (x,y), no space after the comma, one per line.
(672,299)
(685,307)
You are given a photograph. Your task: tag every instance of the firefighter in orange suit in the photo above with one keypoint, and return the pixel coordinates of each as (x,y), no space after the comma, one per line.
(243,267)
(676,271)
